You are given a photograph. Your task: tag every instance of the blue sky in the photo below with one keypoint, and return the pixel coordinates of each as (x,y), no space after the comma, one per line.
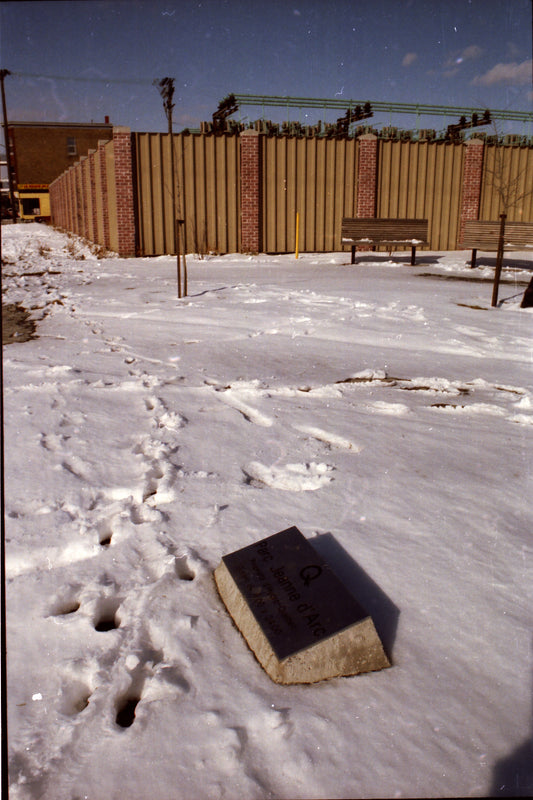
(79,60)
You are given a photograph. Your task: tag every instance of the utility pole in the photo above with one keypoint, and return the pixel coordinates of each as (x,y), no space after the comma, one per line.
(166,90)
(3,73)
(4,779)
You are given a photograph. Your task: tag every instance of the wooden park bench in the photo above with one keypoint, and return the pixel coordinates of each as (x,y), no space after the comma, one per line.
(370,232)
(485,236)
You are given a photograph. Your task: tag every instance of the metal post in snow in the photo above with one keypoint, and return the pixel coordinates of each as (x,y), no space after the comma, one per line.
(499,260)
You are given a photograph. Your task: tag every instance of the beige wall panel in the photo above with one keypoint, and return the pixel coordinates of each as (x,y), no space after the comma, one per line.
(406,180)
(169,191)
(435,201)
(188,194)
(311,176)
(219,243)
(269,158)
(281,194)
(207,192)
(143,194)
(507,183)
(308,224)
(199,196)
(422,180)
(350,179)
(455,194)
(179,155)
(301,186)
(329,193)
(320,199)
(232,222)
(157,193)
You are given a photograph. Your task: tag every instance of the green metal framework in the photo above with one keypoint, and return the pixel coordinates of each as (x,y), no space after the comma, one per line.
(419,109)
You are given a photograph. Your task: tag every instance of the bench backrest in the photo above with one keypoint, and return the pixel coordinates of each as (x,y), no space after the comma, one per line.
(385,230)
(519,233)
(478,234)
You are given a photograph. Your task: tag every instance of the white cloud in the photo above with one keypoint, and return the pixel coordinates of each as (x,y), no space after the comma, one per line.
(512,73)
(408,59)
(472,52)
(469,53)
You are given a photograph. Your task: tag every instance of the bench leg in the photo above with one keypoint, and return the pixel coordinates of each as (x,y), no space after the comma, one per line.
(413,253)
(353,254)
(473,259)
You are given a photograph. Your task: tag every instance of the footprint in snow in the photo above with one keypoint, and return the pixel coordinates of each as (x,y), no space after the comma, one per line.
(79,680)
(65,603)
(332,439)
(290,477)
(106,617)
(75,698)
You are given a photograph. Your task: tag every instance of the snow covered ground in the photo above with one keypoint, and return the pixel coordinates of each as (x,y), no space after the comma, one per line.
(385,410)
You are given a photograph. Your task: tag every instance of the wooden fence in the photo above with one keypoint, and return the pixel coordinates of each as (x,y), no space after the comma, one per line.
(207,192)
(322,179)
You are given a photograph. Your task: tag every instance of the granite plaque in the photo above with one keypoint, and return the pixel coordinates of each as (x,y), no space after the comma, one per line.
(298,618)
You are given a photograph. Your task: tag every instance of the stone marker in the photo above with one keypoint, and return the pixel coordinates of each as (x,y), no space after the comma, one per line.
(298,618)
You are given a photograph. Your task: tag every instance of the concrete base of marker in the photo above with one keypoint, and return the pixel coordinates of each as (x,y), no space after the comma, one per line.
(352,651)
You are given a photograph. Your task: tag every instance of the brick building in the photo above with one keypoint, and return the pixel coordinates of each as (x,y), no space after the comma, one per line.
(40,151)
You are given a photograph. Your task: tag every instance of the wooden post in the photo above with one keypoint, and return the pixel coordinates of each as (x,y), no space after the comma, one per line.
(180,229)
(185,288)
(178,257)
(499,260)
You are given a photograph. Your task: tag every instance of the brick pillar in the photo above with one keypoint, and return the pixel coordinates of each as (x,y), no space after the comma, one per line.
(367,175)
(251,193)
(103,190)
(471,189)
(84,189)
(124,191)
(63,218)
(92,178)
(78,188)
(70,198)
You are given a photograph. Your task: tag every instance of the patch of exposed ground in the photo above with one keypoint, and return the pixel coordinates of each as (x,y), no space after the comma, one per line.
(17,324)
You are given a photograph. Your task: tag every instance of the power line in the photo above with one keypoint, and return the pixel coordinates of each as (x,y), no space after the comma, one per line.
(83,79)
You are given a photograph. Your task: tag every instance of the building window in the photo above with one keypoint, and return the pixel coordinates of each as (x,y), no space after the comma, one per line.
(31,206)
(71,146)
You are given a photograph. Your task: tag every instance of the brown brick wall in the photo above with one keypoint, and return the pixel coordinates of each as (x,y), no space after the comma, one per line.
(41,150)
(367,176)
(124,191)
(76,207)
(251,192)
(471,189)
